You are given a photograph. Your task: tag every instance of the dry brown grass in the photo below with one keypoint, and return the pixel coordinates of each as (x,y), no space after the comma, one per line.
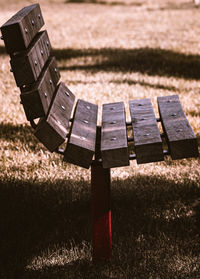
(106,52)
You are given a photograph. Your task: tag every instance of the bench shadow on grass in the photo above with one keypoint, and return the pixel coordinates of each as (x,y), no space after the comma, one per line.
(35,216)
(148,61)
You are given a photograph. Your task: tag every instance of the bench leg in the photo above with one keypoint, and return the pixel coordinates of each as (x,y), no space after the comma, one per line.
(101,213)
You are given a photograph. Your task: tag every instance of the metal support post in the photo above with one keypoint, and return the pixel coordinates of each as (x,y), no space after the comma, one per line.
(100,207)
(101,213)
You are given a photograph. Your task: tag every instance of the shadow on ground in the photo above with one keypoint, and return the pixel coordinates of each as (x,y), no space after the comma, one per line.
(2,50)
(189,5)
(35,216)
(149,61)
(19,133)
(132,82)
(111,3)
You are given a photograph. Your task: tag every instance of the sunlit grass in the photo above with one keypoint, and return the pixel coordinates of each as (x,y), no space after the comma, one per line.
(112,51)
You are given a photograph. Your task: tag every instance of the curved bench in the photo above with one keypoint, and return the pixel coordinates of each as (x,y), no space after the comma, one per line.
(88,145)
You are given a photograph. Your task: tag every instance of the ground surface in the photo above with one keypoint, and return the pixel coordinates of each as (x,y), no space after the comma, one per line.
(106,51)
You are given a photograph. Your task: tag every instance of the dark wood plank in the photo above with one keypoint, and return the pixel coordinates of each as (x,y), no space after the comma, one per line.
(114,145)
(180,137)
(81,143)
(52,130)
(147,140)
(27,66)
(19,30)
(36,98)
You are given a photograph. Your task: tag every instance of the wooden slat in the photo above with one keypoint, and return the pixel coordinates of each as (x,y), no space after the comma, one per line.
(81,143)
(52,130)
(147,140)
(180,137)
(114,145)
(27,66)
(37,97)
(20,30)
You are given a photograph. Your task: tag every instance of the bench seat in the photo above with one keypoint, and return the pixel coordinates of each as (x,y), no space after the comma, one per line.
(37,76)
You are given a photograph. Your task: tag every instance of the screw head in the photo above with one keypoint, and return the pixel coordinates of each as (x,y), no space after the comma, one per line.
(113,139)
(173,114)
(83,138)
(55,70)
(36,63)
(88,107)
(47,43)
(113,122)
(85,121)
(45,94)
(26,30)
(33,22)
(42,52)
(63,107)
(39,16)
(50,81)
(67,93)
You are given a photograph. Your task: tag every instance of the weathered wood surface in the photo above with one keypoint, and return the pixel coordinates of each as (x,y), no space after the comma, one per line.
(27,65)
(36,98)
(81,143)
(114,145)
(53,129)
(147,140)
(180,137)
(19,30)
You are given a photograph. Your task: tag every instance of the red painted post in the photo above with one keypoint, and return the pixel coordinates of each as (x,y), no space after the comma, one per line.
(100,207)
(101,213)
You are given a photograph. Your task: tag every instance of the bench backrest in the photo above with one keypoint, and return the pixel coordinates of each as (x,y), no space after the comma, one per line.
(37,75)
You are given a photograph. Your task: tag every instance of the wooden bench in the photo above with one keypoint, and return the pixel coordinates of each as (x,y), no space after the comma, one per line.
(87,145)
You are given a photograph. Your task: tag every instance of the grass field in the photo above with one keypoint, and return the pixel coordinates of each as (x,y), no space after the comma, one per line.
(106,51)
